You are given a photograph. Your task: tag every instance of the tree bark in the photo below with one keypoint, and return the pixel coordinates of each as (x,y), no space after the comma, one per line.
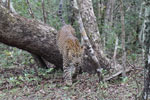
(146,34)
(89,52)
(109,12)
(39,60)
(30,35)
(123,39)
(91,27)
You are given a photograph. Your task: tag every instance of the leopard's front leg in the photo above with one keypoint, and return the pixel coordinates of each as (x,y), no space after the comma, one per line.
(67,75)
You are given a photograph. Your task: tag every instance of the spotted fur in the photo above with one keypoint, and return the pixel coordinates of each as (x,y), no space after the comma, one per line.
(71,51)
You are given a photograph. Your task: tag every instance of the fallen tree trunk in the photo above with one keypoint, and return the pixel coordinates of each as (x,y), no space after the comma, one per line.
(30,35)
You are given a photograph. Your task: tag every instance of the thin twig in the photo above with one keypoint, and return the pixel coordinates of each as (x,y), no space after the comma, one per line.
(30,9)
(8,4)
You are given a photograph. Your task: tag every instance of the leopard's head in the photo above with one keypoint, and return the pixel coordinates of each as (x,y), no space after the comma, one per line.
(76,52)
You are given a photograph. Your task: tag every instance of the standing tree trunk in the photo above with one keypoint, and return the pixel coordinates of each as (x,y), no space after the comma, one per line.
(91,28)
(89,51)
(123,40)
(109,12)
(100,13)
(146,91)
(108,20)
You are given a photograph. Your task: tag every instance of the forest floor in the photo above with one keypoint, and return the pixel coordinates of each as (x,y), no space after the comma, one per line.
(22,83)
(19,80)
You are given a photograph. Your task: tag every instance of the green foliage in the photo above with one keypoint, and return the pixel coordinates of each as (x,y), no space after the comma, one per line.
(21,7)
(13,57)
(132,25)
(124,79)
(133,56)
(103,85)
(50,8)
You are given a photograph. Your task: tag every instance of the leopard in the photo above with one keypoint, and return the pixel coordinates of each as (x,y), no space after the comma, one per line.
(71,50)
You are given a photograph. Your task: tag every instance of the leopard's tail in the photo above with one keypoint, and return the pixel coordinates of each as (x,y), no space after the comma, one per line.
(60,12)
